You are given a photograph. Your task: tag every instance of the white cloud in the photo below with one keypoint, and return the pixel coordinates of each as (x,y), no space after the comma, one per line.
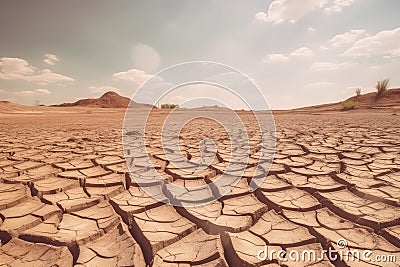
(344,2)
(133,75)
(34,92)
(346,38)
(393,53)
(271,58)
(338,6)
(19,69)
(261,16)
(329,66)
(300,52)
(385,43)
(46,77)
(311,29)
(15,66)
(50,59)
(319,84)
(291,10)
(333,9)
(103,89)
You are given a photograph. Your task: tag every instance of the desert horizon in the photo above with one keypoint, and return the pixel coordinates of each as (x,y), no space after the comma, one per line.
(112,100)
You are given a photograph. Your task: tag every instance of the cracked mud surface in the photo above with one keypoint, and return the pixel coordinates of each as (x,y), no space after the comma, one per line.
(67,198)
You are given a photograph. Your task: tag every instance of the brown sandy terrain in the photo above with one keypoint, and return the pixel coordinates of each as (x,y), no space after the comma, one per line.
(389,100)
(107,100)
(67,198)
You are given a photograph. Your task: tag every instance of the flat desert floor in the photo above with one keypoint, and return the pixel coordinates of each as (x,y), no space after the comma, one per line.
(67,198)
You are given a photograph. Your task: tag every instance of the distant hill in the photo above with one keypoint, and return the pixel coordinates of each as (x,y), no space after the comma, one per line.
(7,106)
(108,100)
(390,99)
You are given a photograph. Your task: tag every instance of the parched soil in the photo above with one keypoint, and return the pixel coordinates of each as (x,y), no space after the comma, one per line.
(67,197)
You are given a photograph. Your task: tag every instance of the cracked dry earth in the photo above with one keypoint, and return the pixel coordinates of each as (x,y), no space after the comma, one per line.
(67,198)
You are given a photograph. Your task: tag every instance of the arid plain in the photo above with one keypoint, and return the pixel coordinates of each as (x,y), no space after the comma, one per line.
(67,198)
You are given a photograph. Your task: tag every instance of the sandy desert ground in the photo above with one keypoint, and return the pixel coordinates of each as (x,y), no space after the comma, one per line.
(67,199)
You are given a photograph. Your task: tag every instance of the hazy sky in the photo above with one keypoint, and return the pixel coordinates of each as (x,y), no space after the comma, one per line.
(299,52)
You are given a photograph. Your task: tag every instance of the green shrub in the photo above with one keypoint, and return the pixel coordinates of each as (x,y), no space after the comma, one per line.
(348,105)
(382,86)
(358,91)
(169,106)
